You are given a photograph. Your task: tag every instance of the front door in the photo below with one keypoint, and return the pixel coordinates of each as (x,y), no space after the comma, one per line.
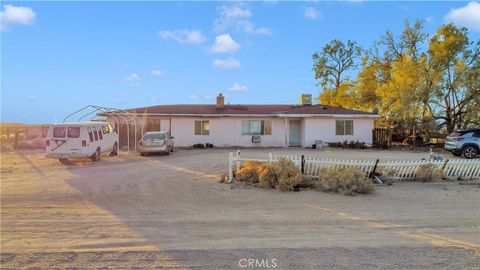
(294,133)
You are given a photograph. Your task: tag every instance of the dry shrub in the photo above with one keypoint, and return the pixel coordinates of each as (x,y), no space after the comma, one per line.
(269,176)
(348,181)
(289,177)
(250,172)
(428,173)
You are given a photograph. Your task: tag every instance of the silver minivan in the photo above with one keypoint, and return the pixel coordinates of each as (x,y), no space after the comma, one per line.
(156,142)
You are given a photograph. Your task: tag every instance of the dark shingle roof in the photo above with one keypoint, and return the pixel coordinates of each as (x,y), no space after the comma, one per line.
(273,110)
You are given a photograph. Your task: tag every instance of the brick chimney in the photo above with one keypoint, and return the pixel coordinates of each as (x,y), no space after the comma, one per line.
(220,101)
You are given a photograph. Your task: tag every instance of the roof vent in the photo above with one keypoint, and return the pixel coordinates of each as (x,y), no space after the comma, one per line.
(306,99)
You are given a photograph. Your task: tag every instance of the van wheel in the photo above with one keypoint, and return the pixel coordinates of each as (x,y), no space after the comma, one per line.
(96,155)
(114,150)
(63,160)
(469,152)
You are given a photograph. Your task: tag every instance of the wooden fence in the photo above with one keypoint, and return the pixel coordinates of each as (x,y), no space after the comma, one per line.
(402,170)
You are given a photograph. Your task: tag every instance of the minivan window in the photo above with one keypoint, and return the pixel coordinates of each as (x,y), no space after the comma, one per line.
(59,132)
(154,136)
(95,133)
(100,135)
(90,134)
(73,132)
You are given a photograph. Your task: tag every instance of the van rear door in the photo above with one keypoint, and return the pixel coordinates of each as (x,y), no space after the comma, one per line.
(65,139)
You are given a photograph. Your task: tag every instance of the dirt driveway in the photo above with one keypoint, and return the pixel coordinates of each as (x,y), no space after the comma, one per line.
(171,212)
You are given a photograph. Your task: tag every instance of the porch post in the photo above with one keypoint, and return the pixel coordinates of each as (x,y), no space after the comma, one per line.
(286,132)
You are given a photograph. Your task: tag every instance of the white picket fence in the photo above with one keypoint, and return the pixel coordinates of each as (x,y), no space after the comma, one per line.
(403,170)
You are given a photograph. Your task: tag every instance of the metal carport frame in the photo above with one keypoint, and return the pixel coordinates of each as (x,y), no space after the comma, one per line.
(117,115)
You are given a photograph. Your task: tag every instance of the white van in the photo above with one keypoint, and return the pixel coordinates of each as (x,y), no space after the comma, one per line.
(81,139)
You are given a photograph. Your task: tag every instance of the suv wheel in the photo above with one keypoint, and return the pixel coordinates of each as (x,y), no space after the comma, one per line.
(469,152)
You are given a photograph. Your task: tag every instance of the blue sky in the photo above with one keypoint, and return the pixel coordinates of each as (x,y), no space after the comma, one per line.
(59,56)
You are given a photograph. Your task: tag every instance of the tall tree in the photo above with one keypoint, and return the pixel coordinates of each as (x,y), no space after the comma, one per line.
(457,61)
(331,67)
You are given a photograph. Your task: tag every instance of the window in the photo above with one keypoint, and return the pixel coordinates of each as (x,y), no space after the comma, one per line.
(106,129)
(95,133)
(100,135)
(90,134)
(73,132)
(202,127)
(256,127)
(344,127)
(59,132)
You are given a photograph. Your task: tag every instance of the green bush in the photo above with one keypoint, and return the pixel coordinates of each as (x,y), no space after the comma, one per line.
(348,181)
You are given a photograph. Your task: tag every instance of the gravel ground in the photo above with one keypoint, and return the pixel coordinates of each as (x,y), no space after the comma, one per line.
(171,212)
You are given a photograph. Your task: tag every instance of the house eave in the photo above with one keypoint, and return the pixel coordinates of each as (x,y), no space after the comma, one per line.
(369,116)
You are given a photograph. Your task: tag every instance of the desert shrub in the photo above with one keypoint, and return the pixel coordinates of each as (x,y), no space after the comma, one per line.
(428,173)
(290,176)
(250,172)
(269,176)
(348,181)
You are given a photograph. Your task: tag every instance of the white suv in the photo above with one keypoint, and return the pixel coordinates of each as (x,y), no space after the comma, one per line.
(464,142)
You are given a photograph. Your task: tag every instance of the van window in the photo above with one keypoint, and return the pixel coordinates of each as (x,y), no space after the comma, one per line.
(73,132)
(105,129)
(100,135)
(59,132)
(90,134)
(95,133)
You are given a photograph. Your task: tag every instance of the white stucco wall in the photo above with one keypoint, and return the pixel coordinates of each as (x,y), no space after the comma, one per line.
(226,132)
(324,129)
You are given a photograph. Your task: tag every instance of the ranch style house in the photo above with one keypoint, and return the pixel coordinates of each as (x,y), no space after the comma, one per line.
(229,125)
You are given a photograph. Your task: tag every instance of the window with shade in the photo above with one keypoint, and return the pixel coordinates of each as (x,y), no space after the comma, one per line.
(202,127)
(256,127)
(344,127)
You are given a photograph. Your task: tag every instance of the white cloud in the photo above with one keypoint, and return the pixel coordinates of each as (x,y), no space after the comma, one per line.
(152,99)
(229,15)
(236,16)
(193,97)
(237,88)
(183,36)
(468,16)
(224,44)
(249,27)
(132,77)
(11,15)
(31,98)
(156,72)
(208,97)
(229,63)
(311,13)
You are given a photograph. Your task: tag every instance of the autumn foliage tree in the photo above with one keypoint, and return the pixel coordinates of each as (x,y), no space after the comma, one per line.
(417,82)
